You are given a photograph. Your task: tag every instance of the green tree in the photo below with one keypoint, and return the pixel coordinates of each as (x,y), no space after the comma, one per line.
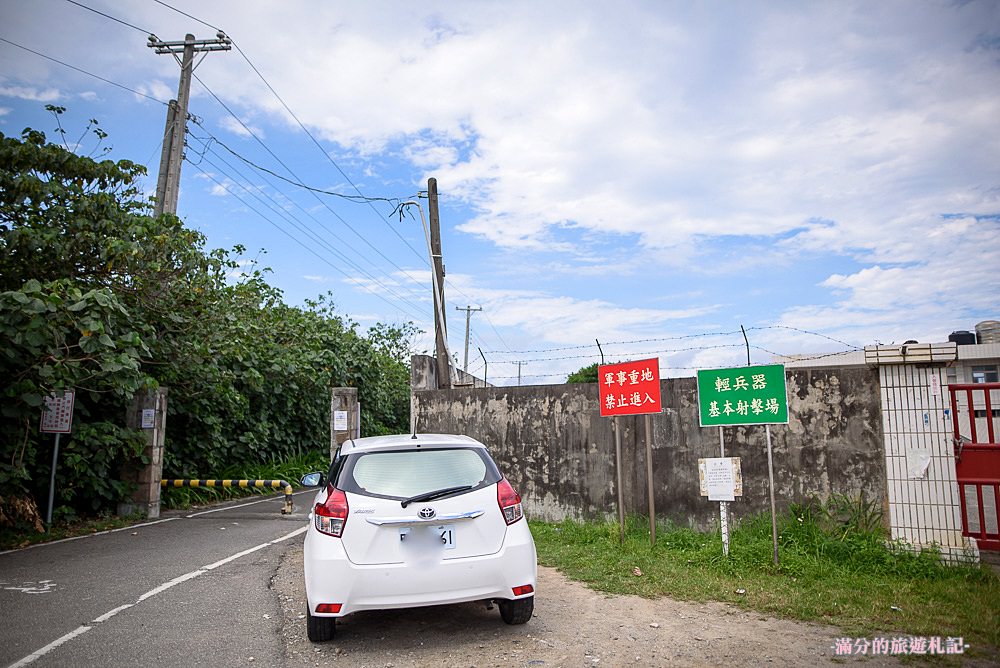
(587,374)
(99,295)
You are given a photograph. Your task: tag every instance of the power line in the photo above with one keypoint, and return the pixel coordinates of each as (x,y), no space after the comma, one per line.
(108,16)
(283,231)
(83,71)
(301,125)
(214,140)
(299,225)
(290,171)
(350,198)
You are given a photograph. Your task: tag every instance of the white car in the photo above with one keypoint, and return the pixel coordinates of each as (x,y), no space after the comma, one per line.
(415,520)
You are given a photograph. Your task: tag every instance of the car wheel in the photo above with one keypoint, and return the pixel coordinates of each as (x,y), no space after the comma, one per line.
(320,629)
(517,611)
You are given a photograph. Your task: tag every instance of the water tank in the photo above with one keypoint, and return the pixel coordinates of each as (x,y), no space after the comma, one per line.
(988,331)
(962,337)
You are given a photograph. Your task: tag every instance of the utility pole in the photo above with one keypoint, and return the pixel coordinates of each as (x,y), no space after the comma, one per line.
(519,372)
(468,315)
(168,182)
(440,324)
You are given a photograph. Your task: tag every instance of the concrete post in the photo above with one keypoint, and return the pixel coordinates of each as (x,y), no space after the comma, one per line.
(148,413)
(344,417)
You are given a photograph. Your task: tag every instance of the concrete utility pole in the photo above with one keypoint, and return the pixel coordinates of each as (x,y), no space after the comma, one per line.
(468,316)
(440,324)
(169,180)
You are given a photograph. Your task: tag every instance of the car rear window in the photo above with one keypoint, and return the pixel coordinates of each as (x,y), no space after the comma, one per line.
(406,473)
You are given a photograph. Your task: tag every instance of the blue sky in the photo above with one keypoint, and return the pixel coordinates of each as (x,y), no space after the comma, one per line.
(824,174)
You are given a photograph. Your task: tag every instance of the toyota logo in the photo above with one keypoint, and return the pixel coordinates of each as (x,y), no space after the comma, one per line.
(426,513)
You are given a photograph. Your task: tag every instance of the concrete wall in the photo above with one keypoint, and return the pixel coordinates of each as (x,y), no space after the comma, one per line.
(559,452)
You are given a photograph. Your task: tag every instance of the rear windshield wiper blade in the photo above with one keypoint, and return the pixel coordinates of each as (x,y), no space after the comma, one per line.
(427,496)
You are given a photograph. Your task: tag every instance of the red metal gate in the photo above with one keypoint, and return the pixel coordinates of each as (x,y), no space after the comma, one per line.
(975,410)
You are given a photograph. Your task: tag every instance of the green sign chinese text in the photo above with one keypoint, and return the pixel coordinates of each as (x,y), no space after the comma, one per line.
(744,395)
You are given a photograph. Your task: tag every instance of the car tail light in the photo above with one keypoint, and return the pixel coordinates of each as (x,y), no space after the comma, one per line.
(330,608)
(510,502)
(331,516)
(522,590)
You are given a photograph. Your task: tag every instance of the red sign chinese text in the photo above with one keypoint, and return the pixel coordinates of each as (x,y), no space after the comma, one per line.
(630,388)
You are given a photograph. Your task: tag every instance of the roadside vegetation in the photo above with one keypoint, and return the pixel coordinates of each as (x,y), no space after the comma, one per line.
(100,296)
(836,568)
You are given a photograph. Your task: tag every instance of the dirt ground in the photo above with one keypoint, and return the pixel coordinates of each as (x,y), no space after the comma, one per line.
(572,626)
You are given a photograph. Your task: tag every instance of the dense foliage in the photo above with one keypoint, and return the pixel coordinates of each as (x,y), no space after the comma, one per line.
(587,374)
(98,295)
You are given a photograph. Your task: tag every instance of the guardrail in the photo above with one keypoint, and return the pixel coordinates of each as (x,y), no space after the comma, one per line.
(286,510)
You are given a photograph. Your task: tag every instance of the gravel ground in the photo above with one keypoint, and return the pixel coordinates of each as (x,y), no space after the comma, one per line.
(572,626)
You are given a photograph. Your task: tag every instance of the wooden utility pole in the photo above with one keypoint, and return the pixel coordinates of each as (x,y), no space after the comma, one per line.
(440,324)
(468,316)
(168,182)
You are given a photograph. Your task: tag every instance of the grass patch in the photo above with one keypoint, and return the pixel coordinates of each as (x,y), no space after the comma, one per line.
(834,570)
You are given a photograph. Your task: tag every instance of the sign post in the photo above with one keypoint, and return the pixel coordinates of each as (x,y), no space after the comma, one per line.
(750,395)
(631,388)
(57,418)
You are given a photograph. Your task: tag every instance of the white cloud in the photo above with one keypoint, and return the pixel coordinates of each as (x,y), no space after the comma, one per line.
(855,139)
(4,111)
(156,89)
(30,93)
(241,129)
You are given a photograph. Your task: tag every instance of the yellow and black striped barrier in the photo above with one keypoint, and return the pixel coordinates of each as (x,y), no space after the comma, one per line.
(236,483)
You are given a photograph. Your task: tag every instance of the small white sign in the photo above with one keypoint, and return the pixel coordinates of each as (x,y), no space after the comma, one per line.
(935,386)
(721,478)
(148,418)
(340,420)
(57,416)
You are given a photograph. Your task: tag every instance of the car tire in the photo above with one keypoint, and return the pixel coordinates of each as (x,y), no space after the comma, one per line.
(517,611)
(320,629)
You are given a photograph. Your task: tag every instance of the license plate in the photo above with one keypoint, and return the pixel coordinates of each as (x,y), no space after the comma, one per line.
(447,535)
(443,535)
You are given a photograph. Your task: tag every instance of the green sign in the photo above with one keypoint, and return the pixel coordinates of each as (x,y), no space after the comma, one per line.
(744,395)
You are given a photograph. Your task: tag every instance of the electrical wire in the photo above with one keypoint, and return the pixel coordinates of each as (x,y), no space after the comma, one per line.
(301,125)
(282,230)
(83,71)
(212,140)
(108,16)
(253,134)
(299,225)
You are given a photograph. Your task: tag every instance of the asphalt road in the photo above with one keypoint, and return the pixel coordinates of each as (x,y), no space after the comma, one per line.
(193,587)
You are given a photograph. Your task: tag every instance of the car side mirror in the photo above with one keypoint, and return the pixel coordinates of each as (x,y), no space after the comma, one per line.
(314,479)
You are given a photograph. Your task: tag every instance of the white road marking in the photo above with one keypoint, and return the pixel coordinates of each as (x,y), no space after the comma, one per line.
(149,594)
(80,630)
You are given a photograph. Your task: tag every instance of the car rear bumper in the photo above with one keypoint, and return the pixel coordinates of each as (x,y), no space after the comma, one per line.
(332,578)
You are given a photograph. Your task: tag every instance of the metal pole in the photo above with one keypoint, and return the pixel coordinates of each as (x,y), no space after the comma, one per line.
(486,365)
(723,506)
(52,483)
(649,478)
(770,478)
(618,473)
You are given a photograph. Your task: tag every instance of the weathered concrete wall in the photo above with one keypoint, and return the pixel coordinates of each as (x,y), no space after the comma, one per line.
(553,444)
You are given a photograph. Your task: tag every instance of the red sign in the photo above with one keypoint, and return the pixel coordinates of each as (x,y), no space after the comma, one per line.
(630,388)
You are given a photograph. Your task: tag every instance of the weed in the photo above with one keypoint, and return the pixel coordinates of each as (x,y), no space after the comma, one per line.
(836,567)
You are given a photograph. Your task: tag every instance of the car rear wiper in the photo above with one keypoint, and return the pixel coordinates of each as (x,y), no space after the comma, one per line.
(427,496)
